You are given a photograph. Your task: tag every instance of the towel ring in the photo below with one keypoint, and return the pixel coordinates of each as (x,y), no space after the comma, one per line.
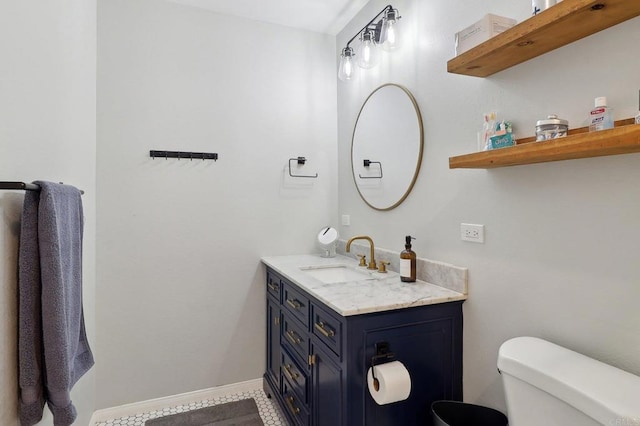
(301,161)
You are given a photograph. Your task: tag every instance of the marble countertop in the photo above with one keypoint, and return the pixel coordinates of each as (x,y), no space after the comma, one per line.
(385,292)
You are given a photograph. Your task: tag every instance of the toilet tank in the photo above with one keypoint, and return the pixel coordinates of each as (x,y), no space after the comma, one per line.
(546,384)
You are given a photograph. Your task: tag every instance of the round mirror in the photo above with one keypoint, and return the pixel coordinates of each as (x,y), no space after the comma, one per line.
(386,150)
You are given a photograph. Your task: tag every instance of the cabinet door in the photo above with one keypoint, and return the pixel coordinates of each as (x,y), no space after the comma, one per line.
(428,352)
(327,395)
(273,341)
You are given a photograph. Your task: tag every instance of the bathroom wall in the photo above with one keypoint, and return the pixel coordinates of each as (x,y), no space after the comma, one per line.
(560,257)
(48,132)
(180,284)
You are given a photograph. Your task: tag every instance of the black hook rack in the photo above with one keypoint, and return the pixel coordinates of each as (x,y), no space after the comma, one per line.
(301,161)
(184,154)
(367,163)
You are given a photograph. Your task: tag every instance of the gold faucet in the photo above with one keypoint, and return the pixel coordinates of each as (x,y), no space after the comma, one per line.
(372,264)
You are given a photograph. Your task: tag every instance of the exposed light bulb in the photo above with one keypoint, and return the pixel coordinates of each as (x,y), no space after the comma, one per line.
(389,37)
(368,55)
(346,69)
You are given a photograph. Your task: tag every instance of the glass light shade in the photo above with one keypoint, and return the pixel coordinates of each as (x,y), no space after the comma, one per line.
(347,67)
(389,37)
(367,55)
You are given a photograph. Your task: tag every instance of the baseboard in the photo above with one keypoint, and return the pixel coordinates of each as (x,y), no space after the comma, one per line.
(174,400)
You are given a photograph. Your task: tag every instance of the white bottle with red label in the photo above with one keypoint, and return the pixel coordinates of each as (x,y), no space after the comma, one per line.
(601,117)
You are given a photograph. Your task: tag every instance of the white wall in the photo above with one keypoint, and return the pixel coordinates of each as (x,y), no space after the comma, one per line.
(180,288)
(47,131)
(560,258)
(180,285)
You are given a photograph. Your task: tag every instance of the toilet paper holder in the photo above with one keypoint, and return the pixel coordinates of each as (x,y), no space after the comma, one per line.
(383,353)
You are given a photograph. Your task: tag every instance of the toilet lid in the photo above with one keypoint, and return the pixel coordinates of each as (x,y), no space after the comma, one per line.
(601,391)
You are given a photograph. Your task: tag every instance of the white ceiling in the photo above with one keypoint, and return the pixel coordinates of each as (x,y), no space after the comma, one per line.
(323,16)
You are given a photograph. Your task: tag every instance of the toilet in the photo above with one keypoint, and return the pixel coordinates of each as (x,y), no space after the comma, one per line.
(546,384)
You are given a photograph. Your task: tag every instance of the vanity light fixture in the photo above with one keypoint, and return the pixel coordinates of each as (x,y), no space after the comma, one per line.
(368,54)
(374,35)
(347,67)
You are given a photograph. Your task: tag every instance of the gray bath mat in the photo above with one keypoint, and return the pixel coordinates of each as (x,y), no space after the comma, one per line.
(236,413)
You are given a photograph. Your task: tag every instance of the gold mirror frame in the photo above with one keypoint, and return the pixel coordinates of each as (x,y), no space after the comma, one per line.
(421,148)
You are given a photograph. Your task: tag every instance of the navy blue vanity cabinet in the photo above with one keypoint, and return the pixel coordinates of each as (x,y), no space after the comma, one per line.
(274,321)
(427,340)
(324,359)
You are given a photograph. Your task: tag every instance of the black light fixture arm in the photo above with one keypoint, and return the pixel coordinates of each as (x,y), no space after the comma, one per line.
(388,7)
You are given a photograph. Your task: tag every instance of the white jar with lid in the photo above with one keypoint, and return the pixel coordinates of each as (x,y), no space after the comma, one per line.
(551,128)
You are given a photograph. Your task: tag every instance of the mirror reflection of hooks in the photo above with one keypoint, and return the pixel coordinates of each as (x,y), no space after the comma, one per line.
(367,163)
(301,161)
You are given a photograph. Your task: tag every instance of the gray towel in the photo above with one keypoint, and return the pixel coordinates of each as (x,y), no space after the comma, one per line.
(52,345)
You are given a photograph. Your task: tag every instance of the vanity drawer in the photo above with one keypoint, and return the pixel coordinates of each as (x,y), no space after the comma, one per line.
(273,285)
(294,406)
(295,337)
(295,376)
(328,329)
(296,303)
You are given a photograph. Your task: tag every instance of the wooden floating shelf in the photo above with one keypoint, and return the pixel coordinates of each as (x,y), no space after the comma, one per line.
(624,139)
(557,26)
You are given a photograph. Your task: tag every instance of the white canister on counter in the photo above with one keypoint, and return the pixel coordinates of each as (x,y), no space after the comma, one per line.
(538,6)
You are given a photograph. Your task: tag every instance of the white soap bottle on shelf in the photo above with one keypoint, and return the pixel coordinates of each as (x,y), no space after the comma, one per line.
(601,117)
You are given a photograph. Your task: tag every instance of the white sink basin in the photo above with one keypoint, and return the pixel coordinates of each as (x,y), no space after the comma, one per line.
(330,274)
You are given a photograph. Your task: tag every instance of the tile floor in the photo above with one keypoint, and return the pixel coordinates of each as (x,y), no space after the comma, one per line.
(269,411)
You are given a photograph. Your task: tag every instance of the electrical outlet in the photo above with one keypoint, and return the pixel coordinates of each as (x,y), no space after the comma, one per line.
(471,232)
(346,220)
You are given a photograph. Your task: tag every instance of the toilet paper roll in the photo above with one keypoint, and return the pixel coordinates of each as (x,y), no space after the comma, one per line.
(394,383)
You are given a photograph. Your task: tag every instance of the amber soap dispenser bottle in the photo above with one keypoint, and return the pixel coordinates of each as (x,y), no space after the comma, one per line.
(408,262)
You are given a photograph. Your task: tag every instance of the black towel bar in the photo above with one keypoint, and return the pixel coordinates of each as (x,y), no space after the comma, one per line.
(22,185)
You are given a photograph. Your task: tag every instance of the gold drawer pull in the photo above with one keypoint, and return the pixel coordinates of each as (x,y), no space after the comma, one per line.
(293,337)
(294,304)
(273,287)
(320,327)
(291,374)
(293,408)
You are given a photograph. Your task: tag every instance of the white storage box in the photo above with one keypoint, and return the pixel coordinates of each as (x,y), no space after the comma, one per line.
(482,31)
